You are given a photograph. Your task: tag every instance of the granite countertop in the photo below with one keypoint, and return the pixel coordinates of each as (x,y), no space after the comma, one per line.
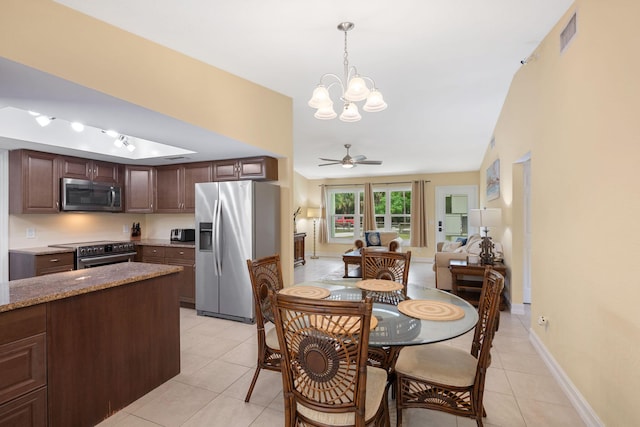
(165,242)
(36,290)
(43,250)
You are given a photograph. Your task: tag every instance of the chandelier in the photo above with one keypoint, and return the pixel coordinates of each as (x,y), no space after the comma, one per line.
(354,88)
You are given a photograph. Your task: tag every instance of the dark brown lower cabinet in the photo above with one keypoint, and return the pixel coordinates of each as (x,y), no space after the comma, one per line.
(108,348)
(23,369)
(180,256)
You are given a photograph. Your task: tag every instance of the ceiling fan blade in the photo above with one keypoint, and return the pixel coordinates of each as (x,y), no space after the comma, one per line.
(328,164)
(330,160)
(359,158)
(369,162)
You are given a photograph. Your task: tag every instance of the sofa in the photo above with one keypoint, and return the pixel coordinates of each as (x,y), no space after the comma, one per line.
(460,249)
(380,240)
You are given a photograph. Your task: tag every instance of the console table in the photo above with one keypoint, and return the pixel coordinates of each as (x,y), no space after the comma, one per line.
(466,280)
(298,249)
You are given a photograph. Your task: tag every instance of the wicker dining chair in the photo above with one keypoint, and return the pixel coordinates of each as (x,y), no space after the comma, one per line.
(446,378)
(266,275)
(326,381)
(386,265)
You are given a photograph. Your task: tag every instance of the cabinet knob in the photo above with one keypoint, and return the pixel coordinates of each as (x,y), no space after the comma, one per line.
(181,252)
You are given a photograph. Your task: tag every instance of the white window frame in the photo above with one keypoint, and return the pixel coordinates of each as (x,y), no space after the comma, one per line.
(357,226)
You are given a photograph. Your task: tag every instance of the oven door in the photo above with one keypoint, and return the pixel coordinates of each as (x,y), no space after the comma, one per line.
(97,261)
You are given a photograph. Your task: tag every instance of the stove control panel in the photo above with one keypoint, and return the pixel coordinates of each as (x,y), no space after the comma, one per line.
(106,249)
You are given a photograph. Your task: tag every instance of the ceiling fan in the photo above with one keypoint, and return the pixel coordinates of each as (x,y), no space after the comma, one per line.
(350,162)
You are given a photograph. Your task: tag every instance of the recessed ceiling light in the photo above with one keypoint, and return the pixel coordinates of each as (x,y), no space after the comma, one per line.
(44,120)
(77,126)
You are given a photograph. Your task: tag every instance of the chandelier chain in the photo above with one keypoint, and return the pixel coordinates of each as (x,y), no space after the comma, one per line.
(346,60)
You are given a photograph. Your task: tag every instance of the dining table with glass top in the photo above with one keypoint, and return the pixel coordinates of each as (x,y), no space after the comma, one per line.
(395,329)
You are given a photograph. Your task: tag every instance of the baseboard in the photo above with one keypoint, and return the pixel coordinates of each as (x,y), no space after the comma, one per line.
(517,308)
(581,406)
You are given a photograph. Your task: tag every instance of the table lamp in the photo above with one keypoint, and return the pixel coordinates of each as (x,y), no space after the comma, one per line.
(315,214)
(486,218)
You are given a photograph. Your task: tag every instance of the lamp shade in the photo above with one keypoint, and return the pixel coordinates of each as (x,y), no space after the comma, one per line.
(485,217)
(313,212)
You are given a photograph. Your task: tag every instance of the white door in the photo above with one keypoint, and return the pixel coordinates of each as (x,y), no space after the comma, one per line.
(526,267)
(452,211)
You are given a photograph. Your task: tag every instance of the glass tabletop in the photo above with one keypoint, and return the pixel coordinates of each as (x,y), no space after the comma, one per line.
(395,328)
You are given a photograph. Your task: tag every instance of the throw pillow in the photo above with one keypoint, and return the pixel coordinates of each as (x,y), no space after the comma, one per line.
(450,246)
(462,240)
(372,238)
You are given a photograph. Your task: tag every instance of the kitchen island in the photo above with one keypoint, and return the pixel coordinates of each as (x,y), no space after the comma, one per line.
(75,347)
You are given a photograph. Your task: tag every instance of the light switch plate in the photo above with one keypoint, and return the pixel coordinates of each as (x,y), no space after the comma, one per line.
(31,233)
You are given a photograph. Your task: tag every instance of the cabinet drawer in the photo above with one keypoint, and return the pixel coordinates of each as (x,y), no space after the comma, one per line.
(22,367)
(180,253)
(153,251)
(54,263)
(29,410)
(21,323)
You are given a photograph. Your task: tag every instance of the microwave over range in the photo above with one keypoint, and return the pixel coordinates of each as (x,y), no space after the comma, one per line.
(89,196)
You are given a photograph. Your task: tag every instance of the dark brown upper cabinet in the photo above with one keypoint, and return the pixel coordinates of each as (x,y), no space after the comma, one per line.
(93,170)
(175,186)
(139,189)
(255,168)
(34,182)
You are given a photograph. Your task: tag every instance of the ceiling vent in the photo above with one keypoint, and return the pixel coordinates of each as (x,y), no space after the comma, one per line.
(567,34)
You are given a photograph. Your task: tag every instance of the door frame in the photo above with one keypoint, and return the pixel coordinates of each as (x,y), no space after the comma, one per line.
(4,215)
(471,191)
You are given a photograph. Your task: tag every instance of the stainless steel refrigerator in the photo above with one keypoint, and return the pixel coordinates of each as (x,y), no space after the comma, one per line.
(235,221)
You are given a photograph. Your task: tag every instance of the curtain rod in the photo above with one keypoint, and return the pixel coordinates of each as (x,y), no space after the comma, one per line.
(372,183)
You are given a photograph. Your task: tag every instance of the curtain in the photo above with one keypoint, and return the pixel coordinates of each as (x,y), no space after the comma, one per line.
(419,233)
(322,232)
(369,222)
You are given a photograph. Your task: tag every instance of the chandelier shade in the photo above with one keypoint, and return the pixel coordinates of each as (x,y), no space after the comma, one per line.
(353,88)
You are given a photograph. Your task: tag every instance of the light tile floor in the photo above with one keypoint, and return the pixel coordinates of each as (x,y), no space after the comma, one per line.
(218,361)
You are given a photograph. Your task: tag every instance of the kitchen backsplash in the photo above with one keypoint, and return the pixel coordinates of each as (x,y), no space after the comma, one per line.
(27,231)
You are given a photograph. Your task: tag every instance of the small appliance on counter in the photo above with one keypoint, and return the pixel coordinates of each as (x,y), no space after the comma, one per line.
(183,235)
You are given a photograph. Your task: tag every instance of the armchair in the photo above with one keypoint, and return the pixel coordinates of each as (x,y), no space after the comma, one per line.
(380,239)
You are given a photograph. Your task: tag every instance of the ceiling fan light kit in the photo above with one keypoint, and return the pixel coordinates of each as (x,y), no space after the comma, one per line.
(354,88)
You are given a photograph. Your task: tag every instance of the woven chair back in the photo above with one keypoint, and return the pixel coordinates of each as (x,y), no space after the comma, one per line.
(324,354)
(386,265)
(265,275)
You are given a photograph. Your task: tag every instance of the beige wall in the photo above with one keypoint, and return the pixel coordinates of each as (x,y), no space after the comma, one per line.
(52,38)
(577,113)
(310,196)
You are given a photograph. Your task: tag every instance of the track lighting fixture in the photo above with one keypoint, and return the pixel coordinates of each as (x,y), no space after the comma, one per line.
(123,141)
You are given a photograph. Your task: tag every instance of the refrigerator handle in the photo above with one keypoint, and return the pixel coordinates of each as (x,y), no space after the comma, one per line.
(217,217)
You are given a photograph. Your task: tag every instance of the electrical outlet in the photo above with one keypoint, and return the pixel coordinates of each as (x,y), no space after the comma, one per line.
(125,228)
(31,233)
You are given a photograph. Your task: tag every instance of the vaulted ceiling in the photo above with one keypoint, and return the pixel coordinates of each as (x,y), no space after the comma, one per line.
(443,66)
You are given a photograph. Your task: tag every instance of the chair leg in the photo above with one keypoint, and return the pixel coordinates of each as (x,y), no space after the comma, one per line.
(253,383)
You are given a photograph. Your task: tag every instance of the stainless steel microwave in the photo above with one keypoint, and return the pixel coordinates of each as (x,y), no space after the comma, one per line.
(89,196)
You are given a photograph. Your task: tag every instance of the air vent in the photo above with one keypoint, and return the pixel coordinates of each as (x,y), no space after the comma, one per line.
(567,34)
